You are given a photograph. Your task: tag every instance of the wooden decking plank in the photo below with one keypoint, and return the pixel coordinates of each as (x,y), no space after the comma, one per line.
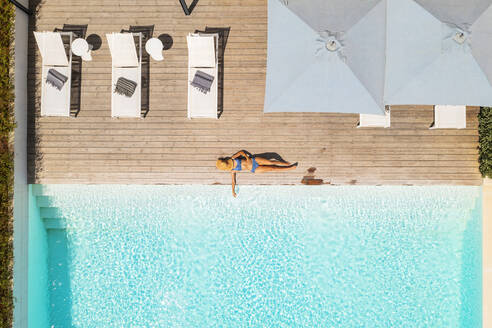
(167,148)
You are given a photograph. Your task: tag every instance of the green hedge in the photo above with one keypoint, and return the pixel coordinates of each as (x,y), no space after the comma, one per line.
(485,141)
(6,162)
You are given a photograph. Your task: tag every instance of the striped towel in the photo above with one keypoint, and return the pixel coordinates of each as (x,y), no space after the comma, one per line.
(56,78)
(125,87)
(202,81)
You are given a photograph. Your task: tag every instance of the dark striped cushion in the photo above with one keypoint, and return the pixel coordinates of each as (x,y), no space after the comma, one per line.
(125,87)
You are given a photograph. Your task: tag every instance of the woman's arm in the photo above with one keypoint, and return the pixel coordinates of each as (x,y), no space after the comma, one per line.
(233,175)
(239,154)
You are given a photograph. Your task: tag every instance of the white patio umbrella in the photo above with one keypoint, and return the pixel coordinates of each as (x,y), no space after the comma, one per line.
(439,52)
(326,56)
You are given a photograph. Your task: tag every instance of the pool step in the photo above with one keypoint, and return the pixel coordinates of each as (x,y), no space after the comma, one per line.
(50,212)
(52,217)
(37,190)
(43,201)
(54,223)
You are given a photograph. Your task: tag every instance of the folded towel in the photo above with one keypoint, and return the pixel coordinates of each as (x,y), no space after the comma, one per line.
(202,81)
(56,78)
(125,87)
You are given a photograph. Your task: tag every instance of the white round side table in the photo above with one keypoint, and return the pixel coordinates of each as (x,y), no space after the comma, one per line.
(81,48)
(154,48)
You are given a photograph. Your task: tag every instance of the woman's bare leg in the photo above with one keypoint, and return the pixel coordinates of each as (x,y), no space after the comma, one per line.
(264,161)
(274,168)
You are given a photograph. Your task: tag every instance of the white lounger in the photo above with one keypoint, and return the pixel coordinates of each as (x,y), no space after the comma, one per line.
(375,121)
(127,64)
(202,56)
(449,117)
(55,102)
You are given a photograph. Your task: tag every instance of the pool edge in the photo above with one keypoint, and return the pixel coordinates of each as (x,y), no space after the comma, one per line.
(487,253)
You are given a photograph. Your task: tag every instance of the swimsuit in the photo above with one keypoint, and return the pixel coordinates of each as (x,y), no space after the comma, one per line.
(238,165)
(254,165)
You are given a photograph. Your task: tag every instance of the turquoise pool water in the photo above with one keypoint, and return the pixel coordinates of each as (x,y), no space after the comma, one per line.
(175,256)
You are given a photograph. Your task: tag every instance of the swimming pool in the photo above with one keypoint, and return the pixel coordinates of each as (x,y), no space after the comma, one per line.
(193,256)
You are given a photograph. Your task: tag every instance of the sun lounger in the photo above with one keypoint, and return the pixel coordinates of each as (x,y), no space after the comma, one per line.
(375,121)
(449,117)
(202,75)
(126,70)
(56,73)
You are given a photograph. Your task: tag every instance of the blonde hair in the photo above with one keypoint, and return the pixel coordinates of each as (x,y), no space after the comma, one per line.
(225,164)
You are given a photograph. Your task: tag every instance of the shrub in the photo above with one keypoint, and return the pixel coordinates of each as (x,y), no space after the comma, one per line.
(485,141)
(6,162)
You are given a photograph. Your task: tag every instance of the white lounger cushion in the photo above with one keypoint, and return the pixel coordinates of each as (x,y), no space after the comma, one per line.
(201,50)
(54,102)
(375,121)
(203,104)
(125,63)
(122,48)
(202,55)
(51,47)
(123,106)
(449,117)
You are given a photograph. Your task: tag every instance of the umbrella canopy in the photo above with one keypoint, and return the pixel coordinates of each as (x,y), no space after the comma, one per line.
(438,52)
(326,56)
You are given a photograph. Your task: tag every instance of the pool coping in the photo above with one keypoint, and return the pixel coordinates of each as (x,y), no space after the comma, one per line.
(487,253)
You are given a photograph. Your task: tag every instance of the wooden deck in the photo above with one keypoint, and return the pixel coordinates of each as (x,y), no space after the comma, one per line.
(167,148)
